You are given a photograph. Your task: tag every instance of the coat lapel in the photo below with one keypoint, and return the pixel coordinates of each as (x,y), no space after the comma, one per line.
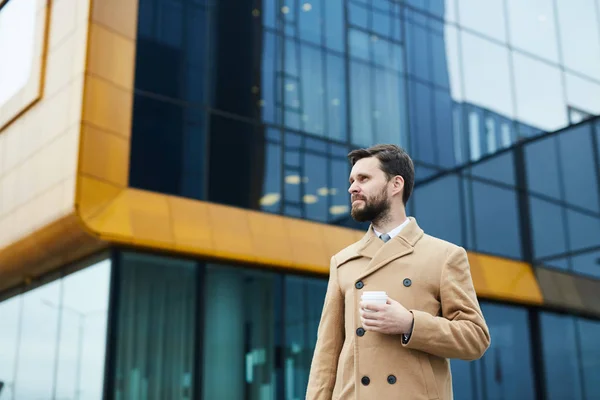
(382,253)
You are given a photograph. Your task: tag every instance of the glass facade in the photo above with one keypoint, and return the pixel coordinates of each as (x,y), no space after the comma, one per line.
(276,93)
(53,338)
(185,329)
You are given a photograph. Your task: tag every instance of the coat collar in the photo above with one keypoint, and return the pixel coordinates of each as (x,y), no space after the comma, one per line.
(380,253)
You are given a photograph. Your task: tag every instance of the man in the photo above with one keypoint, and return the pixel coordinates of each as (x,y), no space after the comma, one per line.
(398,350)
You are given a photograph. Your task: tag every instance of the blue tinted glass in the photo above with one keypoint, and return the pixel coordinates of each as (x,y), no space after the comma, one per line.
(311,104)
(359,44)
(271,193)
(500,168)
(336,98)
(387,54)
(309,21)
(548,228)
(541,162)
(358,14)
(561,364)
(589,337)
(507,363)
(444,129)
(269,13)
(578,167)
(338,193)
(270,90)
(167,147)
(316,189)
(587,264)
(493,234)
(417,47)
(361,104)
(439,58)
(382,22)
(388,115)
(505,371)
(437,208)
(303,304)
(421,107)
(315,145)
(334,24)
(584,230)
(422,172)
(469,211)
(560,264)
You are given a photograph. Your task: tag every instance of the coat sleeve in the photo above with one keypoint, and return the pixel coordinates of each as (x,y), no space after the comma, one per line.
(330,338)
(461,331)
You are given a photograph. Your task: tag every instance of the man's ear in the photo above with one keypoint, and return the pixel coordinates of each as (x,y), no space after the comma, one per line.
(398,184)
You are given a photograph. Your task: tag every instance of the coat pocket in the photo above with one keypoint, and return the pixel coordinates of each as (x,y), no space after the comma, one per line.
(428,376)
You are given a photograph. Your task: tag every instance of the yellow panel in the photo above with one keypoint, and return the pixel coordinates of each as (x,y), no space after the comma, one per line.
(190,228)
(111,56)
(270,238)
(150,217)
(93,195)
(118,15)
(507,279)
(231,233)
(107,106)
(105,156)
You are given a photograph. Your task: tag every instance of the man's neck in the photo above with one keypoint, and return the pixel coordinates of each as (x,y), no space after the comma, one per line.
(390,223)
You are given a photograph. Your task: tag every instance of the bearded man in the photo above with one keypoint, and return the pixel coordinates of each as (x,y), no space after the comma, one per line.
(399,349)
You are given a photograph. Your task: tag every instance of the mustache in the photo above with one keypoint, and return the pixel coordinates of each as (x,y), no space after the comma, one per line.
(358,197)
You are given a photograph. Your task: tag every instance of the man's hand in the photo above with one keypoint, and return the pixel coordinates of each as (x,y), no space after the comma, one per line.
(391,318)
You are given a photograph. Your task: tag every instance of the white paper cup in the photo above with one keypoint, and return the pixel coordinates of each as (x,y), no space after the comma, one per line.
(379,298)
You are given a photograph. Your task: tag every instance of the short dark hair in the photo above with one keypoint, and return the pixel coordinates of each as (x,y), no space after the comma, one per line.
(393,160)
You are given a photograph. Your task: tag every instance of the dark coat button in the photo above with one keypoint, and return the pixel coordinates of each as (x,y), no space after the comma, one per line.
(407,282)
(365,380)
(359,285)
(391,379)
(360,332)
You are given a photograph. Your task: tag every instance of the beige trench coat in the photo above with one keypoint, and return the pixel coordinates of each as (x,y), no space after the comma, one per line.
(428,276)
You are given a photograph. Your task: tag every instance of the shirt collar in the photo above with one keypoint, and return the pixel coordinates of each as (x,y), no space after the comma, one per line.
(394,232)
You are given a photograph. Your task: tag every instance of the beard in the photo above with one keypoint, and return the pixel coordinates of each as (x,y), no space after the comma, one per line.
(374,210)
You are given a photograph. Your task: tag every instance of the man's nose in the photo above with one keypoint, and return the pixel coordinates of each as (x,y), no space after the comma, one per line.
(353,188)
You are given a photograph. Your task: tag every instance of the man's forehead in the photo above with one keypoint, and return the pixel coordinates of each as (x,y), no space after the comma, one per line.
(365,166)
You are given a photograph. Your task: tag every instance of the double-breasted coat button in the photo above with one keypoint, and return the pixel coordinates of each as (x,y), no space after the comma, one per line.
(360,332)
(365,380)
(407,282)
(391,379)
(359,285)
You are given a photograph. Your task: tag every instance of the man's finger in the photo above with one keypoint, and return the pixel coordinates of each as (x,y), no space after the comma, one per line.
(368,315)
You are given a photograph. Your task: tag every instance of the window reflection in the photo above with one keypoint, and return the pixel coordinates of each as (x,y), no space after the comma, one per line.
(36,361)
(83,330)
(156,323)
(496,235)
(579,24)
(303,304)
(577,160)
(487,74)
(53,338)
(533,28)
(484,17)
(10,313)
(561,364)
(506,370)
(548,233)
(437,208)
(539,92)
(240,339)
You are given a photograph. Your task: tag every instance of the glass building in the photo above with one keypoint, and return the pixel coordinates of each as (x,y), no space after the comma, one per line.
(173,182)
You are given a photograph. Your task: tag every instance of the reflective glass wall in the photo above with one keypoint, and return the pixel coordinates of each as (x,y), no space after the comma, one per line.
(190,330)
(53,338)
(257,105)
(538,201)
